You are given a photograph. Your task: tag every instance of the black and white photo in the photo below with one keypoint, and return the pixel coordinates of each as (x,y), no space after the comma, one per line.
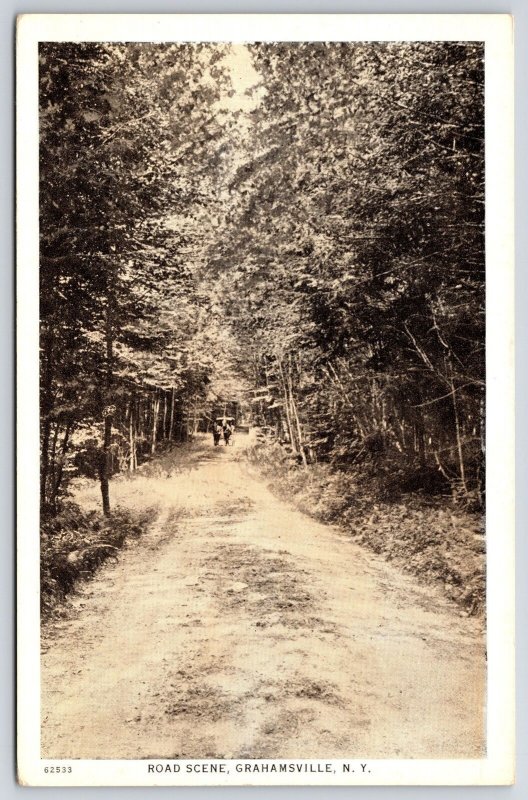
(267,317)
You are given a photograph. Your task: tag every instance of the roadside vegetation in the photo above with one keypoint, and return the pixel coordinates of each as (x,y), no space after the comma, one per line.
(75,543)
(304,253)
(430,536)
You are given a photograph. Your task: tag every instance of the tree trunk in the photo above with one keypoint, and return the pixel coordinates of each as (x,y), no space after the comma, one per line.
(287,409)
(104,464)
(155,410)
(46,431)
(458,439)
(64,448)
(171,418)
(164,414)
(193,422)
(104,456)
(419,438)
(131,437)
(51,472)
(296,418)
(45,412)
(138,429)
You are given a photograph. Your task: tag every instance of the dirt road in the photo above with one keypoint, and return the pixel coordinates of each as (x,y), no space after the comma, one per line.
(240,628)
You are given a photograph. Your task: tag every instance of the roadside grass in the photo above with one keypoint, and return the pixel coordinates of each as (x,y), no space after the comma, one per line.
(77,540)
(75,543)
(430,537)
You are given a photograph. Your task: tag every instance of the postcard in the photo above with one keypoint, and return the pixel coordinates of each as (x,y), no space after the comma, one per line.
(265,400)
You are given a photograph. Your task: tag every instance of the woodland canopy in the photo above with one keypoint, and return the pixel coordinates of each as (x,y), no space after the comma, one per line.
(295,227)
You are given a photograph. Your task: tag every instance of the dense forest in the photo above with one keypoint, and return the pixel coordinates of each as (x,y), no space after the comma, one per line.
(297,228)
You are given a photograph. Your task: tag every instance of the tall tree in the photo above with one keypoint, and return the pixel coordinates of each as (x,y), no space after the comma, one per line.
(358,238)
(128,141)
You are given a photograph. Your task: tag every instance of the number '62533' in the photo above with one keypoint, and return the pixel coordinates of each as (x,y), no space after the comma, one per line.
(58,769)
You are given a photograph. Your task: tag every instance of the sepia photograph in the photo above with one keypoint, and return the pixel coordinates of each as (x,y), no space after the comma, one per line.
(262,405)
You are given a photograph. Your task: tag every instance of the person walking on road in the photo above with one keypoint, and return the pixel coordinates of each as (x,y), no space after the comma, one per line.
(217,433)
(228,431)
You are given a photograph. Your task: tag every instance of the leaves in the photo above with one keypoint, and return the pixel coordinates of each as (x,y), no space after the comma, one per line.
(357,241)
(307,218)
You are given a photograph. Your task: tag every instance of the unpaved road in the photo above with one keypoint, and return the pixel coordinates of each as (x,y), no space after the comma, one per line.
(239,628)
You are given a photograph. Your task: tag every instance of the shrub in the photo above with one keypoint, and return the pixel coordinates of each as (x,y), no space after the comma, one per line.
(74,544)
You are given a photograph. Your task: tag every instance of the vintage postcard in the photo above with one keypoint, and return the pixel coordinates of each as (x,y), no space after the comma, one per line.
(265,399)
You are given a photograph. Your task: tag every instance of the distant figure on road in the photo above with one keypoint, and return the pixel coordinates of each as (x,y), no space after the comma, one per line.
(228,431)
(217,433)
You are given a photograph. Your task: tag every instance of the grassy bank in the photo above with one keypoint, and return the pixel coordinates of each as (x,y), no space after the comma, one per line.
(75,543)
(79,539)
(430,537)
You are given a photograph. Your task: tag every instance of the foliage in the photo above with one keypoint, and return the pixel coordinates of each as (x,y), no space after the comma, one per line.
(313,245)
(437,542)
(357,252)
(128,145)
(74,544)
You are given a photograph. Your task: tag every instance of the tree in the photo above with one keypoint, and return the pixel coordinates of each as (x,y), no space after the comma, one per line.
(128,141)
(358,240)
(318,234)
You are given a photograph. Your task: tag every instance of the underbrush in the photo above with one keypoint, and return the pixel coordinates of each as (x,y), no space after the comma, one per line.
(74,543)
(426,535)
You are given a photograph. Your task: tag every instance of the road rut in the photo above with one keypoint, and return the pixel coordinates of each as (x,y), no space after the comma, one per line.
(237,627)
